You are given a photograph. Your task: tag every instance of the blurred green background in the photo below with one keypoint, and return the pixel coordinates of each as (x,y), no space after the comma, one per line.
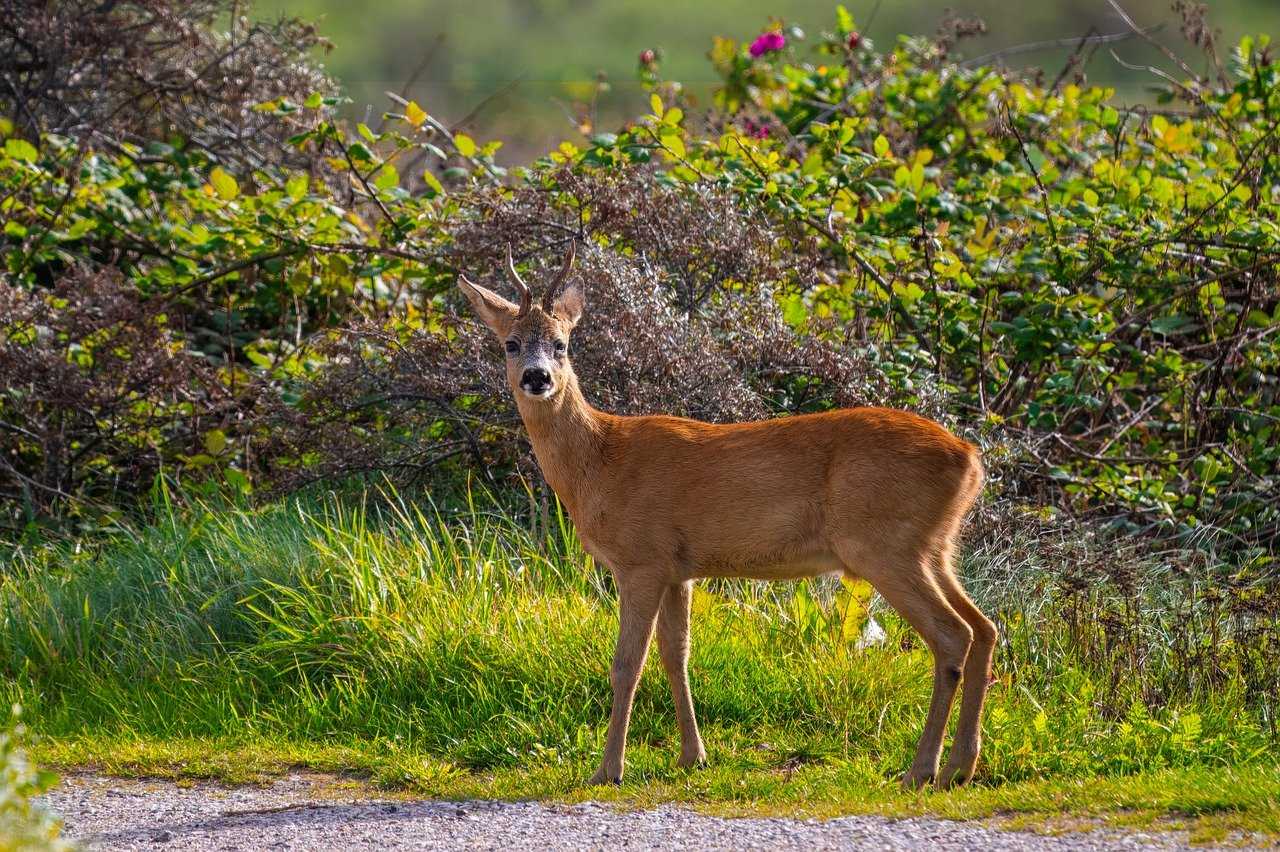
(520,70)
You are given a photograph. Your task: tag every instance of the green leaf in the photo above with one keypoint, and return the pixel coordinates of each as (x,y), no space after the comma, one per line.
(673,143)
(387,177)
(844,21)
(297,186)
(237,480)
(223,184)
(21,149)
(359,152)
(881,146)
(1169,324)
(215,441)
(465,144)
(315,101)
(433,183)
(917,176)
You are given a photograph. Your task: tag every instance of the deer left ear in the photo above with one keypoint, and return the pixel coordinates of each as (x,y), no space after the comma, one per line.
(493,310)
(569,304)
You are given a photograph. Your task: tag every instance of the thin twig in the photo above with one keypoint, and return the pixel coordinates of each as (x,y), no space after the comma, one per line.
(1032,47)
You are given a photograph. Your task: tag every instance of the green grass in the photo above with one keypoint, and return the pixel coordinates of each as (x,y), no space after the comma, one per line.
(1211,804)
(451,653)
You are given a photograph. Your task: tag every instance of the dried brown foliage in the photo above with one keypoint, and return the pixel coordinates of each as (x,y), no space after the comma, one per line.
(152,70)
(681,319)
(94,395)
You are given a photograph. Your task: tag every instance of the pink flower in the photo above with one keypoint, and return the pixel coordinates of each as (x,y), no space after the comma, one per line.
(855,39)
(756,130)
(767,43)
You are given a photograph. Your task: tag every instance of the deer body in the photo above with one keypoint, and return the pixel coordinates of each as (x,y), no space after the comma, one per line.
(871,492)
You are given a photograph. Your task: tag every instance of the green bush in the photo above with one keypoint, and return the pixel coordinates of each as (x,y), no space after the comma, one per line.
(1091,290)
(24,827)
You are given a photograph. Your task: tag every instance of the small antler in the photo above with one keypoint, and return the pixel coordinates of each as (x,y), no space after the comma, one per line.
(549,298)
(526,296)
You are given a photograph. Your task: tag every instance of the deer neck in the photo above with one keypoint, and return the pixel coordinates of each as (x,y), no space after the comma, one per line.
(568,440)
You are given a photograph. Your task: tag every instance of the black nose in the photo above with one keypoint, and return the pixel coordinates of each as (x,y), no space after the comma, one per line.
(535,380)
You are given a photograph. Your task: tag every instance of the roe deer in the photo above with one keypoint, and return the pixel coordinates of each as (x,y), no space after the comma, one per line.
(872,492)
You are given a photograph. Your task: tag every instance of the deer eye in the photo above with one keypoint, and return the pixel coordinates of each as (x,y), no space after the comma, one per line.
(559,346)
(513,346)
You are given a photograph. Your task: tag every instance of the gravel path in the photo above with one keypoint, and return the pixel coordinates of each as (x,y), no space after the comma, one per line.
(309,812)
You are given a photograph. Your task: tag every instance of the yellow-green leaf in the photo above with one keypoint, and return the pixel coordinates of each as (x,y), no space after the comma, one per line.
(433,183)
(223,184)
(415,114)
(917,176)
(21,149)
(881,146)
(296,186)
(465,144)
(387,177)
(215,441)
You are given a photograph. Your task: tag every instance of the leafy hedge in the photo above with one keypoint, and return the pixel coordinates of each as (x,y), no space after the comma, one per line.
(1088,289)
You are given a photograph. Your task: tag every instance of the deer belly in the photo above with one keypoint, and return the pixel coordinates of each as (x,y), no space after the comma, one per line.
(774,567)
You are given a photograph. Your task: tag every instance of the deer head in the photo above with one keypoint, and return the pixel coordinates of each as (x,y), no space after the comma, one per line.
(536,337)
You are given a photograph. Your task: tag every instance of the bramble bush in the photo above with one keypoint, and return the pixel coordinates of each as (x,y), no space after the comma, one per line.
(24,826)
(1086,289)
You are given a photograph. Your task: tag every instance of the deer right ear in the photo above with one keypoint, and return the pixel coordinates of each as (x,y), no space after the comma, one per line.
(569,304)
(493,310)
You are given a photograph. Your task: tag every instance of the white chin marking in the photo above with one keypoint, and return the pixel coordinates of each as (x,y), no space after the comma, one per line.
(543,395)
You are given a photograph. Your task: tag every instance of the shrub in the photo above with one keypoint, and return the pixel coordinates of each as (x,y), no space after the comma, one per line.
(156,73)
(96,397)
(1090,290)
(671,327)
(24,827)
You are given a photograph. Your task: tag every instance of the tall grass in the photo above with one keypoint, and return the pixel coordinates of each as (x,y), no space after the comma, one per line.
(396,626)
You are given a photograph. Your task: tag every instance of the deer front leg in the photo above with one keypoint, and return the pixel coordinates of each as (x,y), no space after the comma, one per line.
(673,643)
(637,610)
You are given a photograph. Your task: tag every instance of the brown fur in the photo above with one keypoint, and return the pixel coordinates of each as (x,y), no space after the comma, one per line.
(662,501)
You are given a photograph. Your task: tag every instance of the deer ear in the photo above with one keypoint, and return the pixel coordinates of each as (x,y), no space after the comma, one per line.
(493,310)
(569,304)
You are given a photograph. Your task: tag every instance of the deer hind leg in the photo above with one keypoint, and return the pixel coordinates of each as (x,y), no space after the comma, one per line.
(977,676)
(673,644)
(908,584)
(638,603)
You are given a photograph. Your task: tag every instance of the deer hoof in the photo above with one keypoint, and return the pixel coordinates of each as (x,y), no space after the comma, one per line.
(690,761)
(917,779)
(602,778)
(954,776)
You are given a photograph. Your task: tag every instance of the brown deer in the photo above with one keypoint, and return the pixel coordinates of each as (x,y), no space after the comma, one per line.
(872,492)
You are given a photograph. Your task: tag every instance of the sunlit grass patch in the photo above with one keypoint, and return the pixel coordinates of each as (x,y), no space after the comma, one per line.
(450,653)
